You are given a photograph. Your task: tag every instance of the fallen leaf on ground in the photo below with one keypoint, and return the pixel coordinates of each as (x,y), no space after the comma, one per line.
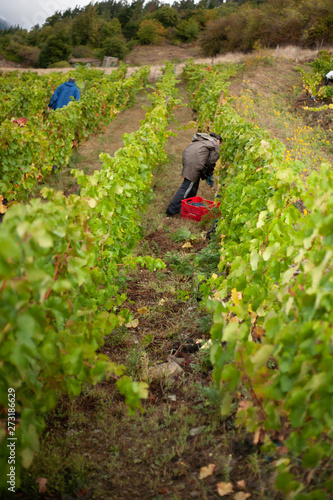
(187,245)
(282,450)
(224,488)
(143,310)
(256,436)
(132,324)
(161,302)
(206,471)
(241,495)
(41,481)
(241,483)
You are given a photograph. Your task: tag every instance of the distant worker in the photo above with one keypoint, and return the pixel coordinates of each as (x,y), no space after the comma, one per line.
(62,95)
(199,159)
(329,78)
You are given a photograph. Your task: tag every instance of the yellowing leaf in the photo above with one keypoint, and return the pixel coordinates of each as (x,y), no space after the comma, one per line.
(241,495)
(143,310)
(234,319)
(224,489)
(187,245)
(92,202)
(132,324)
(3,208)
(214,276)
(206,471)
(234,296)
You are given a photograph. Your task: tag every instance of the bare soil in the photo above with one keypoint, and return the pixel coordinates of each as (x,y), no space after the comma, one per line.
(154,54)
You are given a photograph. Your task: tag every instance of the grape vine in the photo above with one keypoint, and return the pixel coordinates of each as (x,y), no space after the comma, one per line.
(272,300)
(60,279)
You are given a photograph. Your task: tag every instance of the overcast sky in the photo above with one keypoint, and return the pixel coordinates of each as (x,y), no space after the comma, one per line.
(28,13)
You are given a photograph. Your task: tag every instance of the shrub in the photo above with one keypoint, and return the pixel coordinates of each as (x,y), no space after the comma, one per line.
(214,39)
(188,30)
(29,55)
(151,31)
(324,62)
(82,51)
(115,46)
(167,16)
(56,49)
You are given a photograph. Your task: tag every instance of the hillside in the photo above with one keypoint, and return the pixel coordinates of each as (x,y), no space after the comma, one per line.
(114,28)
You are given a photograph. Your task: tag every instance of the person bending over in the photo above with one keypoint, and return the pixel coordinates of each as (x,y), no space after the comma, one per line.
(199,159)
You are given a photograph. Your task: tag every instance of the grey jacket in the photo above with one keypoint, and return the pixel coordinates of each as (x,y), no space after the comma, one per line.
(200,156)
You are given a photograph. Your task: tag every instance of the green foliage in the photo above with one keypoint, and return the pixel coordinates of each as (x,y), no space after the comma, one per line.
(59,278)
(56,49)
(275,278)
(115,46)
(312,81)
(28,152)
(151,31)
(167,16)
(188,30)
(181,234)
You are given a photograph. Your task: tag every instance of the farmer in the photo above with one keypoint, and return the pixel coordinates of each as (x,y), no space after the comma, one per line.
(329,77)
(62,95)
(199,160)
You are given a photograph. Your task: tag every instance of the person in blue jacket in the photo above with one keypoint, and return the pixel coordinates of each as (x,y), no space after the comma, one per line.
(62,95)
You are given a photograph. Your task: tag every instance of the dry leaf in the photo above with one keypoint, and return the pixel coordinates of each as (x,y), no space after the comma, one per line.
(234,319)
(253,317)
(256,436)
(244,405)
(187,245)
(241,495)
(309,476)
(206,471)
(282,450)
(161,302)
(132,324)
(241,483)
(3,208)
(143,310)
(41,484)
(257,332)
(224,489)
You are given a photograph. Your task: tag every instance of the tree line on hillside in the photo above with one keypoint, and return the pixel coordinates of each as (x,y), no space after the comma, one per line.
(112,27)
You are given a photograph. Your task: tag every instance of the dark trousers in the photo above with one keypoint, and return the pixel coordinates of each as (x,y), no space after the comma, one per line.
(328,80)
(186,190)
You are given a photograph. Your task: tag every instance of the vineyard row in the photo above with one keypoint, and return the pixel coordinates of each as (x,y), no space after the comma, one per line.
(62,268)
(272,299)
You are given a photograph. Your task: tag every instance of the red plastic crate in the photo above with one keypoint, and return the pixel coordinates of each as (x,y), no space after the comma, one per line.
(189,211)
